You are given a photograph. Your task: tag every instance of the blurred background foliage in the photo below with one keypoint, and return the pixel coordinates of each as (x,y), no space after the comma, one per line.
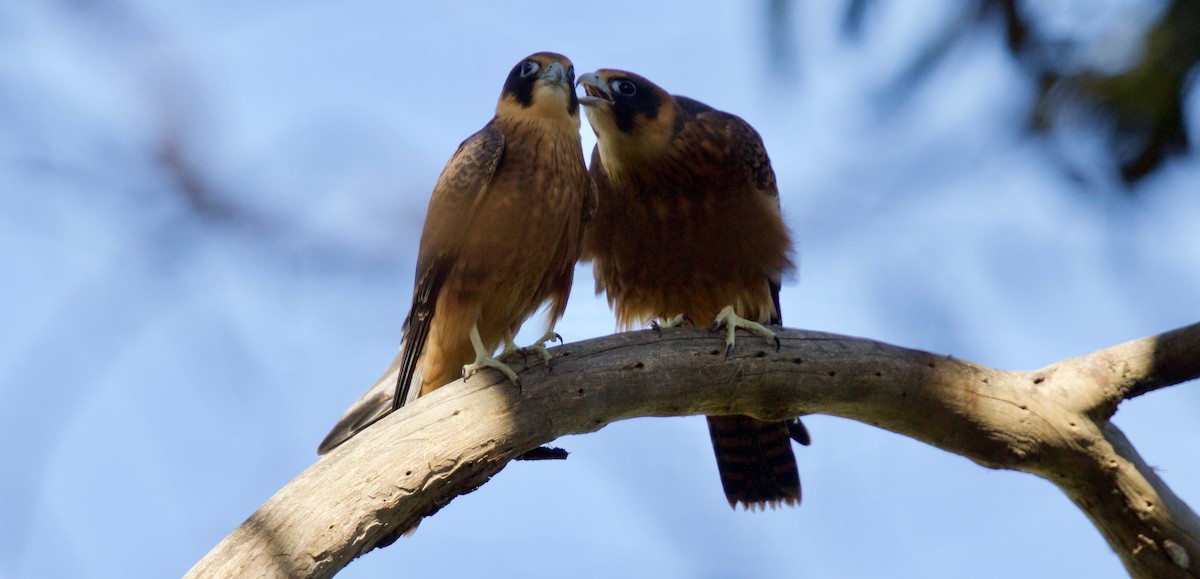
(1123,72)
(1113,76)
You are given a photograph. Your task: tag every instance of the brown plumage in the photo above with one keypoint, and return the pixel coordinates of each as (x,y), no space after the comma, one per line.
(689,223)
(501,238)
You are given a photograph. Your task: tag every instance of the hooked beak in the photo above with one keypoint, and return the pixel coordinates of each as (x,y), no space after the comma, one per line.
(555,74)
(595,90)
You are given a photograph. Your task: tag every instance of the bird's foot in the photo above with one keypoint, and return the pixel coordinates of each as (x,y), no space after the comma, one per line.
(510,348)
(732,322)
(484,359)
(539,347)
(676,321)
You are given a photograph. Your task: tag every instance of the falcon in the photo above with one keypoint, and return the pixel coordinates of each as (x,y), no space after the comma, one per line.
(688,226)
(501,238)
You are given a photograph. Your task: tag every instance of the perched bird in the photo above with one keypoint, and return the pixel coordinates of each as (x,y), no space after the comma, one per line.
(501,237)
(689,224)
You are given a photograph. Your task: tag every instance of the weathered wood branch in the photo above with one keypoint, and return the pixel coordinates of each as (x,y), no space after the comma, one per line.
(1051,422)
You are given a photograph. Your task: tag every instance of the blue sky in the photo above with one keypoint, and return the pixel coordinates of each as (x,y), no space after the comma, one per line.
(165,370)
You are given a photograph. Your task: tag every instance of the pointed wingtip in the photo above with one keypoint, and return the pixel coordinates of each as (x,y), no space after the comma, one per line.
(365,412)
(329,444)
(340,433)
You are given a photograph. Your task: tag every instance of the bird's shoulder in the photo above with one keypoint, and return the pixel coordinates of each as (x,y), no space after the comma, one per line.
(473,163)
(725,139)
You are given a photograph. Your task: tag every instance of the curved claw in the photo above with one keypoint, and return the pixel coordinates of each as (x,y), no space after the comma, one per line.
(777,344)
(510,349)
(670,323)
(539,347)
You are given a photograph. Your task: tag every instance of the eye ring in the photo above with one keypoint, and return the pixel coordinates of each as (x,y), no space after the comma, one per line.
(623,87)
(529,67)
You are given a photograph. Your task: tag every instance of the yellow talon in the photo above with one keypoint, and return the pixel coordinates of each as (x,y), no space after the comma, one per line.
(732,322)
(484,359)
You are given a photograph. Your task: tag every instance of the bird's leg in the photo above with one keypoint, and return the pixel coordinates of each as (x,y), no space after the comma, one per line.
(484,359)
(732,322)
(676,321)
(510,348)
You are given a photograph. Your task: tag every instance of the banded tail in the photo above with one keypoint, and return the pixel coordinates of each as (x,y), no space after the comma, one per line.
(755,460)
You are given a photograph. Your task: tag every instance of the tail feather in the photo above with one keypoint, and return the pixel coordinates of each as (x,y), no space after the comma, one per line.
(755,460)
(373,405)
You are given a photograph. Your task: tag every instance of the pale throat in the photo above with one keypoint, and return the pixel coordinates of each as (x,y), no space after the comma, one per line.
(549,108)
(622,153)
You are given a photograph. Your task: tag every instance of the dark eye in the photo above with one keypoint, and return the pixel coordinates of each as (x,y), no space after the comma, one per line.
(529,67)
(623,87)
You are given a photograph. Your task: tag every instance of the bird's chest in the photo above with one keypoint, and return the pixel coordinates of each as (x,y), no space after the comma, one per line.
(546,169)
(530,209)
(667,224)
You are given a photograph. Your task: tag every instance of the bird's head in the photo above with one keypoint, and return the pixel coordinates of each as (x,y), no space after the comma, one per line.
(541,85)
(629,114)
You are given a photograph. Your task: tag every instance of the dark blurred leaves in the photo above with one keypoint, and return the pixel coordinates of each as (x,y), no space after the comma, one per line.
(1143,105)
(1137,110)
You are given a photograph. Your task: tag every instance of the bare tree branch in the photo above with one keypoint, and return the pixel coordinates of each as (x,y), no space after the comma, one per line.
(1051,422)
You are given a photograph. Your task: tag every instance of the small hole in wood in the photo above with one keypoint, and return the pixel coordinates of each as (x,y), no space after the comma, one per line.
(1039,380)
(879,374)
(760,354)
(797,361)
(832,373)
